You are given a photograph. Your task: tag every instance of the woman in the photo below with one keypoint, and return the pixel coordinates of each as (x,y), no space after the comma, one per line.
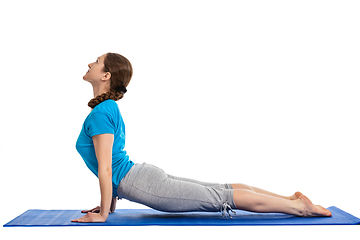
(101,144)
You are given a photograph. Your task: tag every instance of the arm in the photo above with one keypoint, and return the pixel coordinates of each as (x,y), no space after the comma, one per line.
(103,144)
(113,205)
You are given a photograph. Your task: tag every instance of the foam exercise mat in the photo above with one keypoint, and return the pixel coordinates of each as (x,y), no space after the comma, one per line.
(146,217)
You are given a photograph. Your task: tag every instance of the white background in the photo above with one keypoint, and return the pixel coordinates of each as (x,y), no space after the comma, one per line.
(259,92)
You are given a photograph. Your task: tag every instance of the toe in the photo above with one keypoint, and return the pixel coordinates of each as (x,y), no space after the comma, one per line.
(323,211)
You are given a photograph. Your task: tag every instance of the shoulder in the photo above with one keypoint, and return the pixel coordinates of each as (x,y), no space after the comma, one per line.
(109,102)
(103,118)
(107,107)
(108,110)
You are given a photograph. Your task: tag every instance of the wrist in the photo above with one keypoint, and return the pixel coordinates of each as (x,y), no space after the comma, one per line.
(104,215)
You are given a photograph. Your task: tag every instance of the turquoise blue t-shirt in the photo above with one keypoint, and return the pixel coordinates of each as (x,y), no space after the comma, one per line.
(105,118)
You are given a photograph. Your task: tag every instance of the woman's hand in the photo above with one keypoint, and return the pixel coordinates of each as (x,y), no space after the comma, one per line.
(94,210)
(97,209)
(90,217)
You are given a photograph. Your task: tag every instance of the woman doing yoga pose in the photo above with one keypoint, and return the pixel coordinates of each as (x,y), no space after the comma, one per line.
(101,145)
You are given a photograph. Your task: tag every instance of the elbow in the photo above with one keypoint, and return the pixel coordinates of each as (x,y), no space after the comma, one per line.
(106,172)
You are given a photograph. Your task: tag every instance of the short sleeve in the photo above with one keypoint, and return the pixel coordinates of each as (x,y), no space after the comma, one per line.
(100,123)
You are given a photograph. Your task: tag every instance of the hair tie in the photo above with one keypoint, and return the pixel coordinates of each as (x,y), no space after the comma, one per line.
(121,89)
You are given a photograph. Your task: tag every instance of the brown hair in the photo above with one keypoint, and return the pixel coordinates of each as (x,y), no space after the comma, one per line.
(121,73)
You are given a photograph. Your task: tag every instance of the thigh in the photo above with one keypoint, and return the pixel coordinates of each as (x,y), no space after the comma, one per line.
(207,184)
(154,188)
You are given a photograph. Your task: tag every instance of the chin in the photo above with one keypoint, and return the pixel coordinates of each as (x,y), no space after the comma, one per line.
(87,79)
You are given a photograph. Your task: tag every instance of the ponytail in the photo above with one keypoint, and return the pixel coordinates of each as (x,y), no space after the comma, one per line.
(105,96)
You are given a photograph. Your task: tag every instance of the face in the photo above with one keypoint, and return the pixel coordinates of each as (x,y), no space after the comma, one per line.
(95,72)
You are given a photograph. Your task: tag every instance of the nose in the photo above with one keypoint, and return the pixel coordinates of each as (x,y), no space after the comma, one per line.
(90,65)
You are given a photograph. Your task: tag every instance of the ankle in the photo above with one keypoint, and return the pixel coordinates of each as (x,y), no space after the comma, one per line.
(299,208)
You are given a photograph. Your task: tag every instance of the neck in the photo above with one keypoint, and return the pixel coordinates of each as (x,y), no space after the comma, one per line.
(99,90)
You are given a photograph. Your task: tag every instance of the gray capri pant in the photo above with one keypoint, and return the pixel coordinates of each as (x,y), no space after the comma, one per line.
(151,186)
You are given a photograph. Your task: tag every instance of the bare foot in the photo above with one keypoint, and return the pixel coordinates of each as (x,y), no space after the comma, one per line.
(296,196)
(308,209)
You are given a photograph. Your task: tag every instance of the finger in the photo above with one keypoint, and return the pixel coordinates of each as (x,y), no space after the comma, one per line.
(87,211)
(94,210)
(80,220)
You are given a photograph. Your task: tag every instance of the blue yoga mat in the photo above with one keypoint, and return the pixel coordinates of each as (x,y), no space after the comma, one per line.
(146,217)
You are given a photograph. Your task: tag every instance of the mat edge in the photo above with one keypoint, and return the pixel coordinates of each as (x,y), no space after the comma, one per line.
(156,224)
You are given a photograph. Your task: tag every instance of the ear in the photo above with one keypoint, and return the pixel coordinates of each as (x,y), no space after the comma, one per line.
(106,76)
